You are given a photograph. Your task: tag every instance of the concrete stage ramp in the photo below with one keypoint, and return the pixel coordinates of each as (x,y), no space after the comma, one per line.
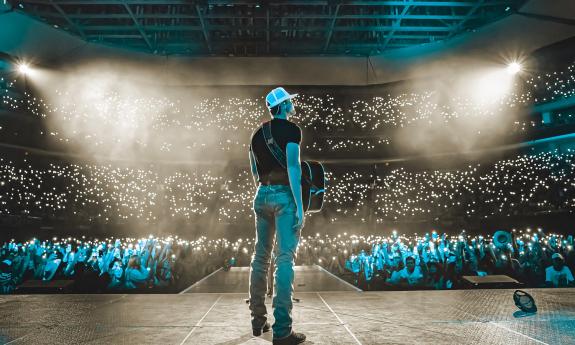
(307,279)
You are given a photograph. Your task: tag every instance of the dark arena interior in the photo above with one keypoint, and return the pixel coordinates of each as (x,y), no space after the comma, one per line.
(286,172)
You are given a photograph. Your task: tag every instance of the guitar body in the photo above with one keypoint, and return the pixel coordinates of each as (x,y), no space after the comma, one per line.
(312,185)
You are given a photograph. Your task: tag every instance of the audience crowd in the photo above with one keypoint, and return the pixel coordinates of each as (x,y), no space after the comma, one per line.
(375,262)
(552,86)
(435,261)
(525,184)
(149,264)
(521,185)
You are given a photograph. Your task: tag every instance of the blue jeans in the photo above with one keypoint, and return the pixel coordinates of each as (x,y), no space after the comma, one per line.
(275,212)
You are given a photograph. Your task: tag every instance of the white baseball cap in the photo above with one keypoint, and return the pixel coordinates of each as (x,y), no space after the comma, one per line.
(557,256)
(276,96)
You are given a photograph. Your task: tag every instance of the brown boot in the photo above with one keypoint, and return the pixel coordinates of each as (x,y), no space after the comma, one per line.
(292,339)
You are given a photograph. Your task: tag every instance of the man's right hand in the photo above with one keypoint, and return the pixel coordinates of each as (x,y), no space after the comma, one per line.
(300,219)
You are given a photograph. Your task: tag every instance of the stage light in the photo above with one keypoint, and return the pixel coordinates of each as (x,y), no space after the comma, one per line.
(24,68)
(514,68)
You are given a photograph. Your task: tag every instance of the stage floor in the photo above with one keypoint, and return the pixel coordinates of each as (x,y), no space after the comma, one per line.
(411,317)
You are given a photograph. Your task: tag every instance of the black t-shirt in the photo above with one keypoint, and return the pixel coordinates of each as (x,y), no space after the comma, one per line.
(283,132)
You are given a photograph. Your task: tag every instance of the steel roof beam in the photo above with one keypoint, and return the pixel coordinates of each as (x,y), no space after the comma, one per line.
(98,36)
(70,22)
(369,25)
(220,48)
(204,28)
(315,42)
(227,16)
(137,24)
(397,23)
(268,29)
(158,28)
(272,3)
(163,28)
(311,44)
(472,10)
(331,26)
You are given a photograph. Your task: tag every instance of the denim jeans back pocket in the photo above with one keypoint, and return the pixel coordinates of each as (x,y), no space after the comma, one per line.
(285,200)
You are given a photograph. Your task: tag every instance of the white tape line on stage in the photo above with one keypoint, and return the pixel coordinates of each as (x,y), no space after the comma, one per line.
(338,319)
(199,322)
(518,333)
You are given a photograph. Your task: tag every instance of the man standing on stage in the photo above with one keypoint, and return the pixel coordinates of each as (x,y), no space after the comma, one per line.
(278,208)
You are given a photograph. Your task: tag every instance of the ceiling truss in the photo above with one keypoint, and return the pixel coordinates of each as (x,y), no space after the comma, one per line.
(260,28)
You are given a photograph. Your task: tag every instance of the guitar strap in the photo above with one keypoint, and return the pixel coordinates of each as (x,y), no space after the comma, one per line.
(274,148)
(277,152)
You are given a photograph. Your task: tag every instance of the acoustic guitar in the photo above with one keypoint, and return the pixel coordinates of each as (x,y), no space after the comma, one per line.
(312,174)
